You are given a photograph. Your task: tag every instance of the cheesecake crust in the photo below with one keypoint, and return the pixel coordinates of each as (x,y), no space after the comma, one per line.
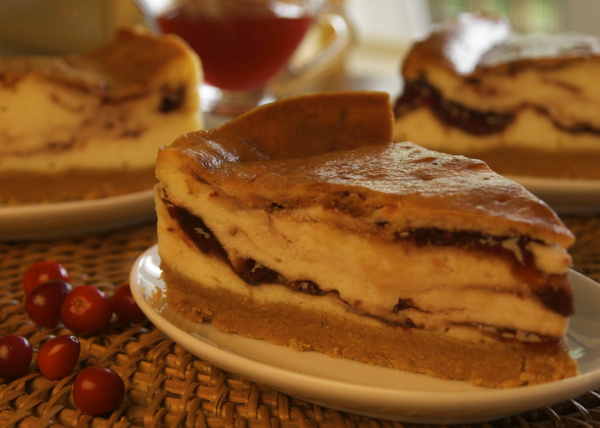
(476,44)
(493,364)
(123,68)
(19,188)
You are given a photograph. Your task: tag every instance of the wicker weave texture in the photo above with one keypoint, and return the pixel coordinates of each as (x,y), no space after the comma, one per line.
(167,386)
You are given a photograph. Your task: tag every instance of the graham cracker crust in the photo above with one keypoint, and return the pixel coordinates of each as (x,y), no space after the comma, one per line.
(18,188)
(491,364)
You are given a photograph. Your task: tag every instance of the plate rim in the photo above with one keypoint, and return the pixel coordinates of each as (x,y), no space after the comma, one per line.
(75,218)
(566,196)
(553,182)
(540,395)
(28,209)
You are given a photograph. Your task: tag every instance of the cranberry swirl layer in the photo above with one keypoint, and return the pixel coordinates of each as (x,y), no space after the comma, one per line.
(424,279)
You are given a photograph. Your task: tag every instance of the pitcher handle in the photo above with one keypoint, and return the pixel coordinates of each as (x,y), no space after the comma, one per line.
(301,71)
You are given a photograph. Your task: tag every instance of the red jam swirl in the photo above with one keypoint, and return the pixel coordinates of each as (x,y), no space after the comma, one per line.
(418,93)
(551,290)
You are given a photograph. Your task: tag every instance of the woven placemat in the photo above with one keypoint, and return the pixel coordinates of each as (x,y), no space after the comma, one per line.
(167,386)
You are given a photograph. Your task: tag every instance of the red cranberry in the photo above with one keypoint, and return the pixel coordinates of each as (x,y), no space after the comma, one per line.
(15,356)
(125,306)
(41,272)
(57,356)
(43,303)
(86,310)
(98,390)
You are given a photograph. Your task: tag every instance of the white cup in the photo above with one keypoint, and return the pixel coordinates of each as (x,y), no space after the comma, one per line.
(244,45)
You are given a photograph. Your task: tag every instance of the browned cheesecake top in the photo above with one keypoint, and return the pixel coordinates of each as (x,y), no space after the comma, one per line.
(335,151)
(474,43)
(122,67)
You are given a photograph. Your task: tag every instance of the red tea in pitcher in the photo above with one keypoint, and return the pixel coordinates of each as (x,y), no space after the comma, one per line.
(238,51)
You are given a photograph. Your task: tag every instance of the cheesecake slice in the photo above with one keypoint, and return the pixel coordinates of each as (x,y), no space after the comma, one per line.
(525,104)
(89,125)
(303,224)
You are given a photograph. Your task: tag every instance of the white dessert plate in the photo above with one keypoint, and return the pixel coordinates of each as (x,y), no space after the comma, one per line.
(62,219)
(565,196)
(367,390)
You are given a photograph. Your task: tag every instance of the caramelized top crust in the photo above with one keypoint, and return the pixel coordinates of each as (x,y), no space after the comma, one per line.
(457,45)
(477,43)
(125,66)
(335,150)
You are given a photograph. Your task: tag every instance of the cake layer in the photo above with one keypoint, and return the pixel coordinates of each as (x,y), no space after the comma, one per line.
(104,111)
(552,73)
(441,285)
(303,216)
(19,187)
(386,188)
(474,88)
(530,145)
(204,287)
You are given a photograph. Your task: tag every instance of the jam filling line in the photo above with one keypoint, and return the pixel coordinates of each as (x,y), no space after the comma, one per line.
(419,93)
(255,274)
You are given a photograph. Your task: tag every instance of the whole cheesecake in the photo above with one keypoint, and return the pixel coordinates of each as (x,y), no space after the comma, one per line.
(303,224)
(525,104)
(89,125)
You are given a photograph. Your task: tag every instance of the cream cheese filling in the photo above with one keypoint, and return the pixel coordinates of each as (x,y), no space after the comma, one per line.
(444,287)
(106,152)
(529,130)
(569,93)
(214,273)
(47,128)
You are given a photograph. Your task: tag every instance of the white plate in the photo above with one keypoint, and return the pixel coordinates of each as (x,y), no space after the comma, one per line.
(44,221)
(565,196)
(372,391)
